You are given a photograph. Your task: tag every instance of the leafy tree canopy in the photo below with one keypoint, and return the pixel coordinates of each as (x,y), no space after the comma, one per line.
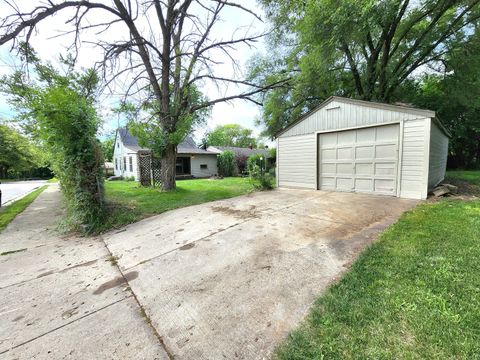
(356,48)
(231,135)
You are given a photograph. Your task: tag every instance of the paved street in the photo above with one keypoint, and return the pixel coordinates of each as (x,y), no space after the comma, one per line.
(16,189)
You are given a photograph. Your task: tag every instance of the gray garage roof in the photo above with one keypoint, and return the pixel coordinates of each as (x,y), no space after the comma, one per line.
(187,146)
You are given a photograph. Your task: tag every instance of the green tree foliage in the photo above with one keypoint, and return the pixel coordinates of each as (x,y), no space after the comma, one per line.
(231,135)
(107,147)
(60,111)
(226,163)
(355,48)
(17,152)
(455,96)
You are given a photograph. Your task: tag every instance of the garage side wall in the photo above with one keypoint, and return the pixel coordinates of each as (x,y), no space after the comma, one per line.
(438,156)
(296,163)
(414,161)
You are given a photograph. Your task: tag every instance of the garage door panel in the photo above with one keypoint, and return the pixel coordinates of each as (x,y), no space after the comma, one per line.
(365,135)
(363,160)
(384,185)
(327,183)
(365,152)
(345,183)
(385,133)
(345,154)
(346,138)
(364,185)
(364,169)
(386,151)
(345,168)
(329,154)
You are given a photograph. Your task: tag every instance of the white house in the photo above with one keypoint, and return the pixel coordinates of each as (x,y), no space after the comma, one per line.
(191,160)
(360,146)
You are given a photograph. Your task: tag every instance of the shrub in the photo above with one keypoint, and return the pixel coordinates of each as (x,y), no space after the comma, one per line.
(241,163)
(257,169)
(226,163)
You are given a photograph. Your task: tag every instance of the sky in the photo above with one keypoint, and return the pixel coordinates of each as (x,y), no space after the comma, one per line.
(49,46)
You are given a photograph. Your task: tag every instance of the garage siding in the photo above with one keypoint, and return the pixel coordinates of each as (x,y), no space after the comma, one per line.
(438,156)
(414,160)
(338,115)
(296,161)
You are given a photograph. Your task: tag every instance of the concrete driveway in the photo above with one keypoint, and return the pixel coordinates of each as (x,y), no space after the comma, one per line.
(230,279)
(17,189)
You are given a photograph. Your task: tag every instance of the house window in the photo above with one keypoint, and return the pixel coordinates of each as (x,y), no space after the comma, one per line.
(116,164)
(124,163)
(131,163)
(203,166)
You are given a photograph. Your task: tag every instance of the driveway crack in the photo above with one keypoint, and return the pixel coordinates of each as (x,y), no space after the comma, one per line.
(142,309)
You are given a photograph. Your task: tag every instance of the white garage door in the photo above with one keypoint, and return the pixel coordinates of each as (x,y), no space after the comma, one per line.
(363,160)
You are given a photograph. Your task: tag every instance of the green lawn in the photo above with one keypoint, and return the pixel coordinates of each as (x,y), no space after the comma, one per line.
(130,202)
(468,181)
(415,293)
(8,213)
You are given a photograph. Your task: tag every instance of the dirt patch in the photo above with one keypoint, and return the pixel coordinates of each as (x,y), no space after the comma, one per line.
(465,188)
(119,280)
(240,214)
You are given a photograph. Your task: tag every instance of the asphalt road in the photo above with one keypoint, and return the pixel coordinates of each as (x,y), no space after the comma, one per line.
(17,189)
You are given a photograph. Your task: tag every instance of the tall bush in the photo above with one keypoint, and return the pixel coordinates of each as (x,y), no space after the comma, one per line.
(60,111)
(257,169)
(226,163)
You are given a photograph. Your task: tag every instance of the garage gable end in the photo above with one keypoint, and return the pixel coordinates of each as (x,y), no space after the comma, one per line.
(338,113)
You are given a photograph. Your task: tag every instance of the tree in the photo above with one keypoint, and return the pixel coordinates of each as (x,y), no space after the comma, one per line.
(170,50)
(226,163)
(362,49)
(59,110)
(107,147)
(17,152)
(231,135)
(455,95)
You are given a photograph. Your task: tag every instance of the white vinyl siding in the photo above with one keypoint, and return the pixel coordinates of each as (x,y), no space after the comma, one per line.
(414,160)
(198,160)
(438,156)
(338,115)
(296,161)
(121,154)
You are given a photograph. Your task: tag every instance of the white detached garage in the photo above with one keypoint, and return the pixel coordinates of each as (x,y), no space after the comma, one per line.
(361,146)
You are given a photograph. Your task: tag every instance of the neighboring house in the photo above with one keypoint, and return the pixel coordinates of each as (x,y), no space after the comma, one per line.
(191,160)
(359,146)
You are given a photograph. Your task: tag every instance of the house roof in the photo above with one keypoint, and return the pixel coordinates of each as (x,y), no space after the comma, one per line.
(187,146)
(239,151)
(400,108)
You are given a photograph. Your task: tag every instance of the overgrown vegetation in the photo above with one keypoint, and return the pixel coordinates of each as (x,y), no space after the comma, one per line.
(59,110)
(9,212)
(259,172)
(130,202)
(412,294)
(468,181)
(226,163)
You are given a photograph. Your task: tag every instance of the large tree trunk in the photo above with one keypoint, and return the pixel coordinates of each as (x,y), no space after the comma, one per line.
(167,170)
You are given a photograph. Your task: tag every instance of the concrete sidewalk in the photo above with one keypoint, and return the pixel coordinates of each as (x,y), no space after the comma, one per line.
(63,297)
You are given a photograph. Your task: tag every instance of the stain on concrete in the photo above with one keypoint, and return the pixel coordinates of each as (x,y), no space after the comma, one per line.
(179,230)
(241,214)
(18,318)
(187,246)
(119,280)
(88,263)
